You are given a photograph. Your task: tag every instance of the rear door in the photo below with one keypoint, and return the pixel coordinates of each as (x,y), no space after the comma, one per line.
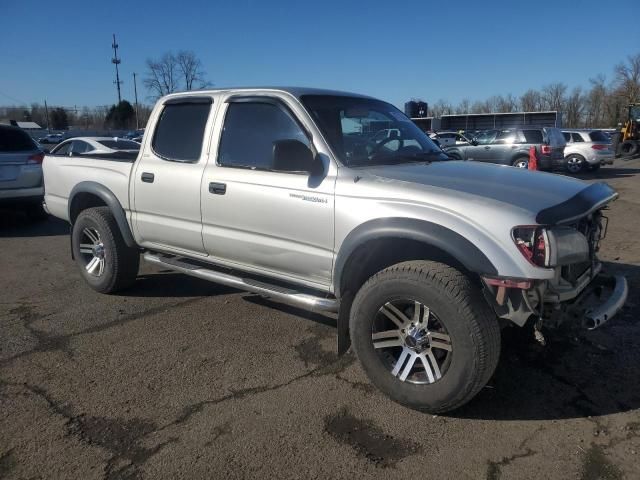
(20,160)
(166,180)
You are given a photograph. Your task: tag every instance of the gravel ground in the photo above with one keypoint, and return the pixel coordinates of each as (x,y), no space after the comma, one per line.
(179,378)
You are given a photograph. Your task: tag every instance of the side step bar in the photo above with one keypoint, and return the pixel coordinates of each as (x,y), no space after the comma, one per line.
(285,295)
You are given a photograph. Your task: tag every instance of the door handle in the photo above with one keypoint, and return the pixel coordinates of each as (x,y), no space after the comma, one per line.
(147,177)
(217,188)
(487,148)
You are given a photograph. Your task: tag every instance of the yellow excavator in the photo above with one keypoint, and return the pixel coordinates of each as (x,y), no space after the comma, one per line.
(629,143)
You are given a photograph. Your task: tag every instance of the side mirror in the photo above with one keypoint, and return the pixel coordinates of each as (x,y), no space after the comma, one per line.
(474,142)
(292,156)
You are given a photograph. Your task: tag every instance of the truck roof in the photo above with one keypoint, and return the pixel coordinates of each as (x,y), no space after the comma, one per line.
(294,91)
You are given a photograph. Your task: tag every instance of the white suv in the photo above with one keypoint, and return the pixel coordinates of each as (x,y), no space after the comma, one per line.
(587,149)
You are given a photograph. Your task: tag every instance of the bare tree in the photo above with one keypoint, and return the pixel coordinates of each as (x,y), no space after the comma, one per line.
(441,107)
(574,107)
(506,104)
(162,76)
(553,96)
(191,70)
(531,101)
(464,106)
(628,78)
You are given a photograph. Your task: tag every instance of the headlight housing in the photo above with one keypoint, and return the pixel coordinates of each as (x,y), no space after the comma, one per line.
(551,246)
(533,243)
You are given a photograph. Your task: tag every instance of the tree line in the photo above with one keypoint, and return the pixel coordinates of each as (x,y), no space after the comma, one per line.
(601,105)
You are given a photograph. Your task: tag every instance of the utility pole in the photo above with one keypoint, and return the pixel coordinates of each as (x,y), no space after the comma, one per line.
(116,61)
(46,112)
(135,91)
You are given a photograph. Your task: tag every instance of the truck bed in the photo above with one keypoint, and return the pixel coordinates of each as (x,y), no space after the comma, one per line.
(62,173)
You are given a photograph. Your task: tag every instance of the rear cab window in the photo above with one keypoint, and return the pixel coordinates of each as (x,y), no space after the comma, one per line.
(179,133)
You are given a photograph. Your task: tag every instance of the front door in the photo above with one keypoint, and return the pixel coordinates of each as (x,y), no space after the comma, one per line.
(258,219)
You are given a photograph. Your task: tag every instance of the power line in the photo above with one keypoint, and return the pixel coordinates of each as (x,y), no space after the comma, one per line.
(13,98)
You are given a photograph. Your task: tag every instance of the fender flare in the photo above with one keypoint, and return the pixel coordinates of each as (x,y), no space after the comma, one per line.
(108,197)
(443,238)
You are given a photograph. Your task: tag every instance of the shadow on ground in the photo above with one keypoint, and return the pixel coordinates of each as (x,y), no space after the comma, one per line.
(14,223)
(609,173)
(577,374)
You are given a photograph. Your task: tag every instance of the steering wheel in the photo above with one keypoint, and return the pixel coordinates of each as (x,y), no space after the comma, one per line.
(377,146)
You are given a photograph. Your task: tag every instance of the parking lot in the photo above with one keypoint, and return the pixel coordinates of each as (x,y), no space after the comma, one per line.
(180,378)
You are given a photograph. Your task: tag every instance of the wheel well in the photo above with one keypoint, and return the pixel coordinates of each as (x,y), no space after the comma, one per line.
(378,254)
(83,200)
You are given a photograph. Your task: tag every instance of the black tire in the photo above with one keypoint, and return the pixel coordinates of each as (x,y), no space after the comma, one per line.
(36,212)
(520,162)
(457,305)
(628,148)
(120,262)
(454,156)
(575,163)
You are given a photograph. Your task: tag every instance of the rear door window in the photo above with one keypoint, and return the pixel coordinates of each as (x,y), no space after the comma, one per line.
(505,137)
(15,140)
(179,133)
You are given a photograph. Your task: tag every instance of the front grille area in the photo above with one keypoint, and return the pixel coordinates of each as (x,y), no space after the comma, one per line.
(572,272)
(592,228)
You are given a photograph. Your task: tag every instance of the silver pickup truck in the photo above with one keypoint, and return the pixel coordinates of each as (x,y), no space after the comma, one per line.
(291,194)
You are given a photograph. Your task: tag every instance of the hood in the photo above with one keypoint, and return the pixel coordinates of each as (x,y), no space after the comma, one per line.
(551,198)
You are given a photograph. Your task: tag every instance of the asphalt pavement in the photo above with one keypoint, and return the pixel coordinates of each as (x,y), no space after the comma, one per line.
(180,378)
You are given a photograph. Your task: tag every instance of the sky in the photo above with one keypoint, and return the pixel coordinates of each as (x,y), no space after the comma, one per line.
(394,50)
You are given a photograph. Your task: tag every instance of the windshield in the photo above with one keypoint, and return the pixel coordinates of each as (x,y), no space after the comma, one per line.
(364,131)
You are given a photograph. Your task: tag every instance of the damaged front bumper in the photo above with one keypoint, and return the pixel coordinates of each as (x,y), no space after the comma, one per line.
(593,301)
(601,300)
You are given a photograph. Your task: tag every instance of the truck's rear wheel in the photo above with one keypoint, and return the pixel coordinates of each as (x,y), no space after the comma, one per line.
(105,261)
(425,335)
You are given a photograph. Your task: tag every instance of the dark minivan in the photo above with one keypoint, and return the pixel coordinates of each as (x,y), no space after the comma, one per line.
(510,146)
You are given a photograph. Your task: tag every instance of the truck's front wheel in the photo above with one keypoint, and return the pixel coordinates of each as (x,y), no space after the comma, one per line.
(425,335)
(105,261)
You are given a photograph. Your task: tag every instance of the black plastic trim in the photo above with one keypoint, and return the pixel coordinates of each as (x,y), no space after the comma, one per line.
(112,202)
(188,99)
(586,201)
(424,231)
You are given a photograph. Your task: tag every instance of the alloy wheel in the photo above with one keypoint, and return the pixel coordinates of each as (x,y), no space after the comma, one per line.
(411,341)
(574,164)
(92,250)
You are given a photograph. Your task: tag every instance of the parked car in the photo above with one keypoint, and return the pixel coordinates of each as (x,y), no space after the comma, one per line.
(446,139)
(587,149)
(95,146)
(283,192)
(51,138)
(510,146)
(21,172)
(133,134)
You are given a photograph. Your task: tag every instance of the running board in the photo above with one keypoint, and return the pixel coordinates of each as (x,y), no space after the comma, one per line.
(276,292)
